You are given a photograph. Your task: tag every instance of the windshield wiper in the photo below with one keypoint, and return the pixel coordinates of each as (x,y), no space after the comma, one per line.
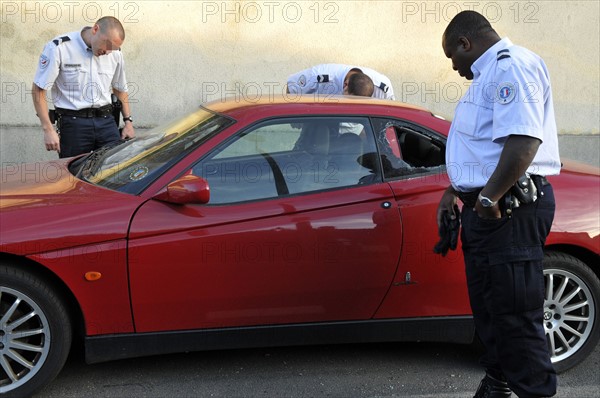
(93,161)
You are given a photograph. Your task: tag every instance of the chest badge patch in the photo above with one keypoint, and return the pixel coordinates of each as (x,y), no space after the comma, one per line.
(506,93)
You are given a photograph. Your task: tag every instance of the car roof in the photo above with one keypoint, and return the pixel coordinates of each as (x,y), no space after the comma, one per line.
(306,104)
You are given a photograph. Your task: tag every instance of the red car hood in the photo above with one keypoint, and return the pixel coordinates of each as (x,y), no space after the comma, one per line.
(43,207)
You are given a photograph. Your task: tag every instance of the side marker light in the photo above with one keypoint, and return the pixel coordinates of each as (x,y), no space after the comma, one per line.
(92,276)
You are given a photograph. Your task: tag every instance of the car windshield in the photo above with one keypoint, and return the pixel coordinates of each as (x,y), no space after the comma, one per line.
(130,166)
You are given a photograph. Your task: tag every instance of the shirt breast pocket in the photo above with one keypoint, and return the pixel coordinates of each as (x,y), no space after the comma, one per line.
(105,76)
(74,77)
(472,119)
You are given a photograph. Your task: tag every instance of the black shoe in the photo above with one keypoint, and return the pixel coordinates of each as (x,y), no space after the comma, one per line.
(491,387)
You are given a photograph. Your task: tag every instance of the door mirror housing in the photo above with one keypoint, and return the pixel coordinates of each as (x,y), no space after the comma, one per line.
(189,189)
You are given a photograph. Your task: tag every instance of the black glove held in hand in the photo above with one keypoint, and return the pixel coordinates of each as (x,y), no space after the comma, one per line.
(448,231)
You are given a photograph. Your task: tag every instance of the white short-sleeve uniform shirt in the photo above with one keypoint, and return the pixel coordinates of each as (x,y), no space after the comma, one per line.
(328,79)
(510,95)
(76,78)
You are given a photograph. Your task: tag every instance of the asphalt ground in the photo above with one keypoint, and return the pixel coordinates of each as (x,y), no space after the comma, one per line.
(362,370)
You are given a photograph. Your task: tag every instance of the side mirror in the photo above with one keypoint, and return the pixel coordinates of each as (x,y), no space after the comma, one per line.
(188,189)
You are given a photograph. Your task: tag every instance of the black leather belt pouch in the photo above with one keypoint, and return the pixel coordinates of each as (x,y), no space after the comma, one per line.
(525,190)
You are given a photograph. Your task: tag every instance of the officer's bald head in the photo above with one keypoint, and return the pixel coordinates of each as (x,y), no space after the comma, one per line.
(111,25)
(360,84)
(350,73)
(105,36)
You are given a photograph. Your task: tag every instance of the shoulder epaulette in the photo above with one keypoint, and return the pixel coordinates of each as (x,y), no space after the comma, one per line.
(323,78)
(384,87)
(61,40)
(502,54)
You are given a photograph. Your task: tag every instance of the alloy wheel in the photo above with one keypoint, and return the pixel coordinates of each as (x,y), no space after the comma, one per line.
(24,339)
(569,313)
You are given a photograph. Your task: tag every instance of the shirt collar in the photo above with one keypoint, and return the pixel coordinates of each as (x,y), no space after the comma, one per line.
(489,56)
(80,39)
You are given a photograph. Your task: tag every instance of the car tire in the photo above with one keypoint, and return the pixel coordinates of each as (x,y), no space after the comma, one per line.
(571,305)
(35,332)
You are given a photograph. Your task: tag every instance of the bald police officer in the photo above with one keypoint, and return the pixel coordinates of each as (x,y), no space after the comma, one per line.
(332,79)
(503,129)
(82,69)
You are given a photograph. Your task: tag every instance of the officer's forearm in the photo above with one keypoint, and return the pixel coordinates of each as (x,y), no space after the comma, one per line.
(123,96)
(517,155)
(41,106)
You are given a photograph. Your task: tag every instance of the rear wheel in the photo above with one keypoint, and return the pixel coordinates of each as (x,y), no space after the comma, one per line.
(35,332)
(571,318)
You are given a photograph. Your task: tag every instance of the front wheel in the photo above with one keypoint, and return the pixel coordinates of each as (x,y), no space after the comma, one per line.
(35,333)
(571,318)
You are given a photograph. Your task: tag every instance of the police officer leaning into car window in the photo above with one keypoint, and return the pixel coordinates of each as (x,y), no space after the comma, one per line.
(332,79)
(503,129)
(82,69)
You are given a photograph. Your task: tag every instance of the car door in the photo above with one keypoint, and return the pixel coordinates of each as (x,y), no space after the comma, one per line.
(299,228)
(426,284)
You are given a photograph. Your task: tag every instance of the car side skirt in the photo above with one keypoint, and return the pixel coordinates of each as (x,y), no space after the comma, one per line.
(436,329)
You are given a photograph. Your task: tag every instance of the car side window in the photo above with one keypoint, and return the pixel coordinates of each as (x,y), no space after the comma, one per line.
(291,156)
(264,139)
(408,149)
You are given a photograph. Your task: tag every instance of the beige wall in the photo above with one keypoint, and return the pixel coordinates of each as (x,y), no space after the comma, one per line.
(181,53)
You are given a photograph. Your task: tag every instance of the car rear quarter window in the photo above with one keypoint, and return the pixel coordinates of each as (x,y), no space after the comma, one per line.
(407,149)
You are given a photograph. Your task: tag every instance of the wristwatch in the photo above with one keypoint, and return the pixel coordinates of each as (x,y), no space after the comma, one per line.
(486,202)
(128,119)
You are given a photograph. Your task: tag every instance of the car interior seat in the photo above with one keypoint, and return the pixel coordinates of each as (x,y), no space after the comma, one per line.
(344,159)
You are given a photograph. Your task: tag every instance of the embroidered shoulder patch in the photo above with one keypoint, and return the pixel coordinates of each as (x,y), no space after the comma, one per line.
(506,92)
(44,61)
(302,81)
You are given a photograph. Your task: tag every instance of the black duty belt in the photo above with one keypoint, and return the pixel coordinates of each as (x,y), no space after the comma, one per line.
(469,199)
(105,110)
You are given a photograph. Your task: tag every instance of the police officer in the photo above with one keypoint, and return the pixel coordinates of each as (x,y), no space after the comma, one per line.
(333,78)
(82,69)
(503,127)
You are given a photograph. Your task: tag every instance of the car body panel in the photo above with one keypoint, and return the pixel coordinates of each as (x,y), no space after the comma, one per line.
(426,283)
(104,302)
(305,258)
(455,329)
(577,219)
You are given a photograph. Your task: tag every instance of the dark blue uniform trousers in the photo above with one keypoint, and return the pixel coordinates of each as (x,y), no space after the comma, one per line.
(506,288)
(84,134)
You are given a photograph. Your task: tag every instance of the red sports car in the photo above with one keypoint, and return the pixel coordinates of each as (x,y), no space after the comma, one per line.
(279,222)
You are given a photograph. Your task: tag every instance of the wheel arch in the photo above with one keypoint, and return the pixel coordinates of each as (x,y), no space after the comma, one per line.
(74,310)
(591,259)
